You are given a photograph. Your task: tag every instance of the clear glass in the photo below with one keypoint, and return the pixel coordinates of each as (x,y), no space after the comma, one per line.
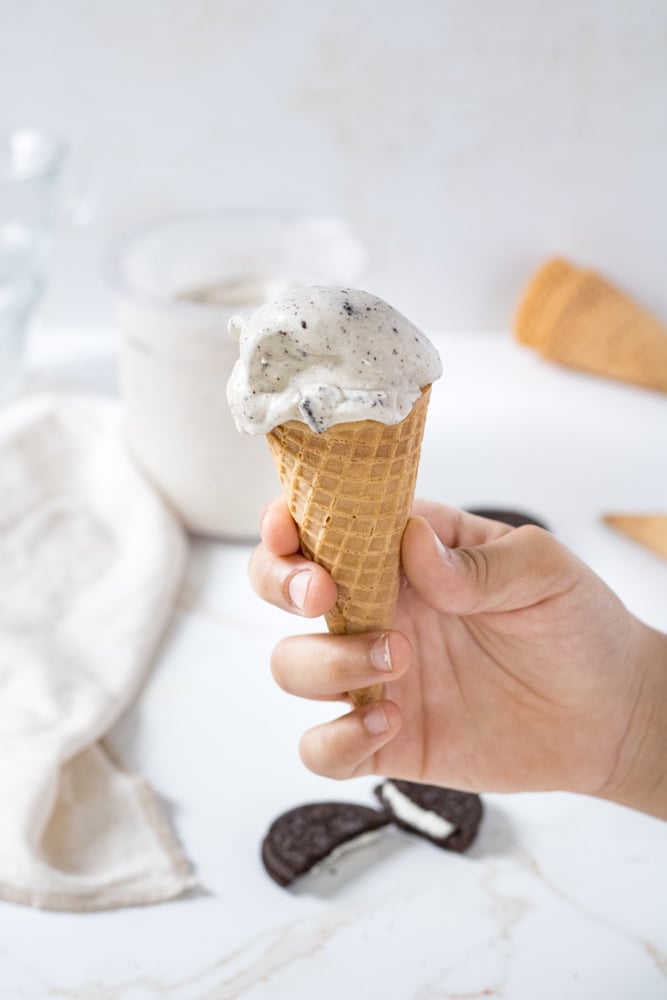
(177,284)
(231,260)
(31,165)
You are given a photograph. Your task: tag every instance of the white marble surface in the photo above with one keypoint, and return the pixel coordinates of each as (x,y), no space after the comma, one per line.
(559,897)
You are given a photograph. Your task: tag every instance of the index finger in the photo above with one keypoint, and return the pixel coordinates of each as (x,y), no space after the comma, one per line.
(278,530)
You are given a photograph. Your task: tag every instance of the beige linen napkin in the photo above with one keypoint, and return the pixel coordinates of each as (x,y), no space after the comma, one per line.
(90,565)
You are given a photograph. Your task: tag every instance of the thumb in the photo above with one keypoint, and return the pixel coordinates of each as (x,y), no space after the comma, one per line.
(523,567)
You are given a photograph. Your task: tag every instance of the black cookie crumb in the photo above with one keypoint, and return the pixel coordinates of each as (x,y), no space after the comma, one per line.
(515,518)
(462,809)
(302,837)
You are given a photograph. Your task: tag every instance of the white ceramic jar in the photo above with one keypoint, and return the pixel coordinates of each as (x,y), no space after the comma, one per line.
(177,283)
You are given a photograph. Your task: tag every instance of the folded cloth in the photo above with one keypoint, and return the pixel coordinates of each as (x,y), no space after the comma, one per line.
(90,565)
(578,319)
(647,529)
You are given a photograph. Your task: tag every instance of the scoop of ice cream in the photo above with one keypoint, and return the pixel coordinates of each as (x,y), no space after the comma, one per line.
(327,356)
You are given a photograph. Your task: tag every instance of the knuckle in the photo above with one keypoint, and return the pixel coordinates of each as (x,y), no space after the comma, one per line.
(279,661)
(542,544)
(330,751)
(254,567)
(534,535)
(322,752)
(328,660)
(313,759)
(342,660)
(478,563)
(482,562)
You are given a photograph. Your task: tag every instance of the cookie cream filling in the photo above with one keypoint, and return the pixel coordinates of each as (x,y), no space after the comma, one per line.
(347,847)
(404,809)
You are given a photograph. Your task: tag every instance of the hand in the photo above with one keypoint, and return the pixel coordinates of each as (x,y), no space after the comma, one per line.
(510,666)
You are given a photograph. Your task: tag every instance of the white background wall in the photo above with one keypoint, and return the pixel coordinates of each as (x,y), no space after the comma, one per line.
(464,140)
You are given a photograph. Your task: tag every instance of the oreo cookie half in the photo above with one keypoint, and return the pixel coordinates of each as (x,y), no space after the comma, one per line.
(446,817)
(515,518)
(304,837)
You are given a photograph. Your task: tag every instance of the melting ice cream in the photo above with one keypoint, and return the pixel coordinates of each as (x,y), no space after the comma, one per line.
(327,356)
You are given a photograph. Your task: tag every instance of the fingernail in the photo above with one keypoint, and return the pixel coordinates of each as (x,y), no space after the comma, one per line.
(446,553)
(375,720)
(380,654)
(297,588)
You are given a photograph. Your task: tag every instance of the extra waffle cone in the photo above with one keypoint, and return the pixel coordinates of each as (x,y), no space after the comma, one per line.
(350,491)
(648,529)
(576,318)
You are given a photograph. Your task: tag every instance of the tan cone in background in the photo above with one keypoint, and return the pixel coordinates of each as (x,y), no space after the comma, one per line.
(649,529)
(576,318)
(350,491)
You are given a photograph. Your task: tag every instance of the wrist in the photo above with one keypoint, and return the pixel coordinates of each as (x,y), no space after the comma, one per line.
(640,776)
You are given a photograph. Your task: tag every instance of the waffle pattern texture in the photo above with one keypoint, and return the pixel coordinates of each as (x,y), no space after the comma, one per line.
(350,491)
(576,318)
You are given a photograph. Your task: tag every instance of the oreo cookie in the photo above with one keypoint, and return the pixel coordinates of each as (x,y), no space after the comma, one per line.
(304,837)
(446,817)
(515,518)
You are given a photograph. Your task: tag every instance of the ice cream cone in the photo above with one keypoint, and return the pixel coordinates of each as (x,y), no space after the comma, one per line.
(350,491)
(648,529)
(576,318)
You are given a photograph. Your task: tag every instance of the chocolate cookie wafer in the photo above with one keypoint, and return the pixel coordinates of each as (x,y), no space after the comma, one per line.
(304,837)
(515,518)
(445,816)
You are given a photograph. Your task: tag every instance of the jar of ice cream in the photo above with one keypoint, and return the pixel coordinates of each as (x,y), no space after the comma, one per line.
(177,283)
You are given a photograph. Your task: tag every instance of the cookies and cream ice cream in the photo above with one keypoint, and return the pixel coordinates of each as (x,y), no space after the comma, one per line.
(326,356)
(339,382)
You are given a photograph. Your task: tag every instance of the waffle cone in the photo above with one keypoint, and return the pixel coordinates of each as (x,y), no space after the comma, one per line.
(648,529)
(350,491)
(576,318)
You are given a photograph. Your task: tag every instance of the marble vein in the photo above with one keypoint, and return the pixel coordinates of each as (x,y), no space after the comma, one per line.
(646,946)
(255,961)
